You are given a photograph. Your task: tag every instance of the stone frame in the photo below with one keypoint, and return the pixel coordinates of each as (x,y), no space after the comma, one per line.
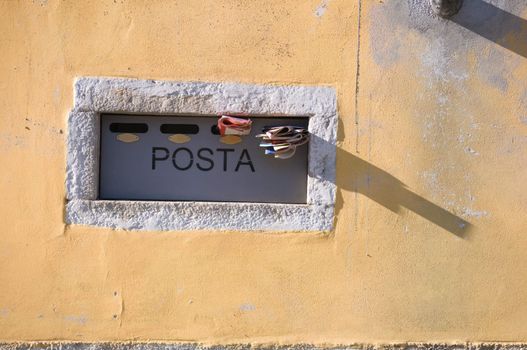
(94,96)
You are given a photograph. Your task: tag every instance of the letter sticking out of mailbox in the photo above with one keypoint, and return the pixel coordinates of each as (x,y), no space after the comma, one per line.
(182,158)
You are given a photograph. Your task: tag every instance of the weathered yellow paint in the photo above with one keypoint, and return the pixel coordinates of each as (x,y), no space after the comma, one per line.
(179,138)
(128,138)
(423,142)
(230,139)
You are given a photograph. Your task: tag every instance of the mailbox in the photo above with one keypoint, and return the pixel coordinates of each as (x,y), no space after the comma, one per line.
(183,158)
(146,155)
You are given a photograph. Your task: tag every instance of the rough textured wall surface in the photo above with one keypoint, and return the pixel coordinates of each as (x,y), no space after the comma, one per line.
(429,240)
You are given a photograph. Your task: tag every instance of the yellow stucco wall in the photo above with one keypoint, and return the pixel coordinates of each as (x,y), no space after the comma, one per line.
(437,122)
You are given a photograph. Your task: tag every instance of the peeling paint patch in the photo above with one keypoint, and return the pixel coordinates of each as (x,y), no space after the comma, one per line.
(247,307)
(523,119)
(468,212)
(524,98)
(40,2)
(492,68)
(443,66)
(322,8)
(384,25)
(471,151)
(513,144)
(431,179)
(77,319)
(56,94)
(4,312)
(8,140)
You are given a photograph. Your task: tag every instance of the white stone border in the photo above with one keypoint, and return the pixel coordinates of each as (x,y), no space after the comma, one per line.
(94,96)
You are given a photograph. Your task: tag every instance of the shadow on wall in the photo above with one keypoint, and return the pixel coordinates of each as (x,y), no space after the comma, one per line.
(391,193)
(385,189)
(494,24)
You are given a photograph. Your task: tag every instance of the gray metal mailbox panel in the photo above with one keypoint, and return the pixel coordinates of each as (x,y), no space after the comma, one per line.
(203,169)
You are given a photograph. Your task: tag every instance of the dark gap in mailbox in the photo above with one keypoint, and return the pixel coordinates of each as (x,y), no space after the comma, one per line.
(215,130)
(189,129)
(133,128)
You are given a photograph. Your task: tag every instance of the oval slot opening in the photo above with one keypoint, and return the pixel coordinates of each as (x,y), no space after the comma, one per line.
(130,128)
(215,130)
(188,129)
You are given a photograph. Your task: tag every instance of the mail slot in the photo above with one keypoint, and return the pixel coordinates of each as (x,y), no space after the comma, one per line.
(183,158)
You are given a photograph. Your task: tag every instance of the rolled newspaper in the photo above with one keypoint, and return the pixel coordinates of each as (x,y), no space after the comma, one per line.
(228,125)
(282,141)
